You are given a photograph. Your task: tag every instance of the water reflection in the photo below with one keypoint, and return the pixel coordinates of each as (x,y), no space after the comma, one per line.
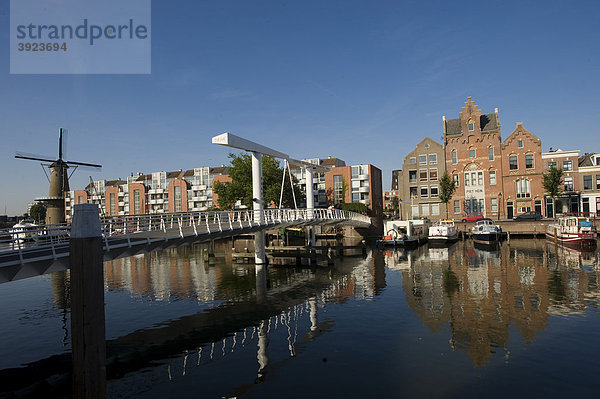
(481,293)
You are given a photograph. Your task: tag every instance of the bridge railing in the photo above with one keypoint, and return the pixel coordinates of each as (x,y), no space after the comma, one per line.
(51,236)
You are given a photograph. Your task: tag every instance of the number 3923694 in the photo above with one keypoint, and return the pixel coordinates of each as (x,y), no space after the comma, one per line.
(42,46)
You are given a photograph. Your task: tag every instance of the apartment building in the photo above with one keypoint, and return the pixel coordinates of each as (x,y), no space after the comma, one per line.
(419,181)
(319,184)
(589,181)
(154,193)
(473,149)
(358,183)
(568,161)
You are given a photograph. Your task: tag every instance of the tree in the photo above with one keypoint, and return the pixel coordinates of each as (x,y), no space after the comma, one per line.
(395,205)
(447,189)
(38,212)
(553,184)
(240,187)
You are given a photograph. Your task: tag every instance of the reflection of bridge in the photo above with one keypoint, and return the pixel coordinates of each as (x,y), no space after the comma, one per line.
(41,250)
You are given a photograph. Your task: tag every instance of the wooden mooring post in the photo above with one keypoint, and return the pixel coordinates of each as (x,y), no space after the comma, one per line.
(87,303)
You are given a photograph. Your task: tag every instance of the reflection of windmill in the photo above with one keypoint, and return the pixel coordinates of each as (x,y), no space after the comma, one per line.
(59,182)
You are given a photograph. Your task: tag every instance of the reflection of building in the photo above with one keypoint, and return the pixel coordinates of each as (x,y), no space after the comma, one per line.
(482,294)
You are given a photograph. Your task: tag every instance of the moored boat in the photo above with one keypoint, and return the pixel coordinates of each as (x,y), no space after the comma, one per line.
(486,232)
(572,229)
(405,233)
(443,232)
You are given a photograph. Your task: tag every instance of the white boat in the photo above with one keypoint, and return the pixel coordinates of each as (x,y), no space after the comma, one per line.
(486,232)
(23,232)
(405,232)
(572,229)
(443,231)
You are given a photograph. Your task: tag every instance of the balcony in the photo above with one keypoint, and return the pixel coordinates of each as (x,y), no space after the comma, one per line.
(363,189)
(201,187)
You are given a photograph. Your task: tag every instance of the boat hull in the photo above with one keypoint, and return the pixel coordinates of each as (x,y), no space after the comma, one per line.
(488,238)
(575,239)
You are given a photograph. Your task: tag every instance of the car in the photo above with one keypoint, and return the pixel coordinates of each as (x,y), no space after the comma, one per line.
(531,215)
(472,217)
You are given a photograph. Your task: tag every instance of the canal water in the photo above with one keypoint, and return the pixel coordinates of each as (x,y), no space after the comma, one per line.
(522,320)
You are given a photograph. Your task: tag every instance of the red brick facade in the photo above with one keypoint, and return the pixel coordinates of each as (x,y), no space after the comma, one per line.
(141,198)
(111,201)
(178,204)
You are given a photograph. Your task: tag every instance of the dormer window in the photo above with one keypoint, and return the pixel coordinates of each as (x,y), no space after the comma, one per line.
(471,126)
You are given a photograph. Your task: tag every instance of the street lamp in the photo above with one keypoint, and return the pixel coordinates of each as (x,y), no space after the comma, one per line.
(499,204)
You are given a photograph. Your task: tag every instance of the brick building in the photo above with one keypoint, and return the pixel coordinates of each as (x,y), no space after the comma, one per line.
(522,171)
(474,160)
(358,183)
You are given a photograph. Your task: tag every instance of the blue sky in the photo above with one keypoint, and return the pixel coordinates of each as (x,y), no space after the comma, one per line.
(361,80)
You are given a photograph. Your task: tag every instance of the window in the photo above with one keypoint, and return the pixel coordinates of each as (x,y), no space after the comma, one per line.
(454,158)
(529,161)
(412,160)
(568,182)
(424,191)
(423,174)
(471,126)
(523,188)
(494,204)
(136,202)
(491,153)
(432,159)
(113,205)
(472,153)
(355,197)
(467,179)
(552,164)
(355,171)
(433,174)
(480,178)
(80,199)
(177,199)
(473,178)
(587,182)
(433,191)
(513,162)
(598,183)
(422,159)
(414,209)
(412,176)
(492,177)
(520,143)
(338,189)
(355,185)
(413,192)
(435,209)
(456,206)
(455,179)
(567,165)
(424,209)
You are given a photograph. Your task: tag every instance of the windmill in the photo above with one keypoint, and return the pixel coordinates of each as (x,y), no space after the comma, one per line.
(59,181)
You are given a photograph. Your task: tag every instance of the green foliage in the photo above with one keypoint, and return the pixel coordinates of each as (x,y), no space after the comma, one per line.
(357,207)
(240,187)
(38,212)
(447,189)
(553,182)
(395,205)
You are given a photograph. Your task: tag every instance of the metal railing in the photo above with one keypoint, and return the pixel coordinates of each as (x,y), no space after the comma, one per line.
(52,241)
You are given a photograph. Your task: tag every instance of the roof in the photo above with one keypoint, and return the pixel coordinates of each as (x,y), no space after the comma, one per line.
(332,162)
(488,123)
(113,183)
(174,175)
(586,160)
(219,170)
(144,178)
